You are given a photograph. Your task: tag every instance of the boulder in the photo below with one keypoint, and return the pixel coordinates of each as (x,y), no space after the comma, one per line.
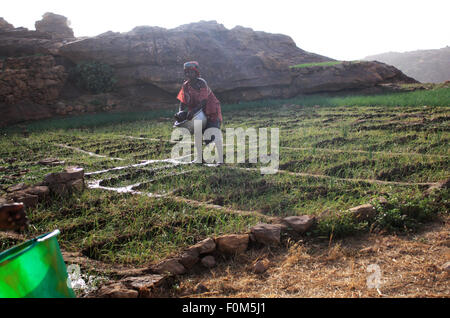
(170,266)
(232,244)
(69,174)
(268,234)
(204,247)
(189,258)
(208,261)
(260,266)
(55,24)
(117,290)
(300,224)
(143,283)
(4,25)
(363,212)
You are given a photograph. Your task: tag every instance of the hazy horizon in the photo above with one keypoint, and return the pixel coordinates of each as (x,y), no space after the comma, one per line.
(344,30)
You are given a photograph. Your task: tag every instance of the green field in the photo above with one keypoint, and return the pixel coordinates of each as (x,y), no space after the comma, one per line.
(335,153)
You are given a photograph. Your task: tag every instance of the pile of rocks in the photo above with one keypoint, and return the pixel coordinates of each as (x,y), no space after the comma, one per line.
(28,195)
(61,183)
(206,251)
(204,254)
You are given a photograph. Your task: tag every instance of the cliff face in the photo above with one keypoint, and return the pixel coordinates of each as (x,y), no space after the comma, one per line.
(239,65)
(427,66)
(229,59)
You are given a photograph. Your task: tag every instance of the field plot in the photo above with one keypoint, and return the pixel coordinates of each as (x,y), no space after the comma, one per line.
(141,206)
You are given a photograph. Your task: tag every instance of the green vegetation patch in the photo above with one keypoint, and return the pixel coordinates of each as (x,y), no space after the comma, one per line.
(326,143)
(329,63)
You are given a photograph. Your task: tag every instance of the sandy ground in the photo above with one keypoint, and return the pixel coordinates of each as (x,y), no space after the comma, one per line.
(370,265)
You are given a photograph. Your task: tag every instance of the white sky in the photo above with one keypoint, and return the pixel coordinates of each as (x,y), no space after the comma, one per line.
(344,30)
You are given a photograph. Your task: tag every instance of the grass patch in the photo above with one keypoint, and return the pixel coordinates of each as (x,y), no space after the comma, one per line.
(330,63)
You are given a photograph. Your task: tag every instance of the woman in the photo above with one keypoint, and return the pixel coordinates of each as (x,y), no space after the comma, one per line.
(195,94)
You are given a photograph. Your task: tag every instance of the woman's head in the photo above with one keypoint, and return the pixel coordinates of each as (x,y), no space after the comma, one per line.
(191,70)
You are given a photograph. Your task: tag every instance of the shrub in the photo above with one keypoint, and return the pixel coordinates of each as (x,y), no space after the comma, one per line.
(403,214)
(94,77)
(339,225)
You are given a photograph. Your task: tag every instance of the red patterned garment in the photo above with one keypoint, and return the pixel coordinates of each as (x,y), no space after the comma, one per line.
(193,97)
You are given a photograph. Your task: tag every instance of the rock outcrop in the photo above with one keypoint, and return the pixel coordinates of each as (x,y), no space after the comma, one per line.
(62,183)
(55,24)
(427,66)
(239,64)
(4,25)
(229,59)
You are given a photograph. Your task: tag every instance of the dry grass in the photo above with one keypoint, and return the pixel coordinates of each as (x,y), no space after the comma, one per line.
(410,267)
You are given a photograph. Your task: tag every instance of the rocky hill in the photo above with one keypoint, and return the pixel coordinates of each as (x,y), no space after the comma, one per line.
(427,66)
(147,63)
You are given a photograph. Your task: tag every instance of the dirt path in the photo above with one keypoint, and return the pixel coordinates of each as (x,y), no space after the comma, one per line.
(409,266)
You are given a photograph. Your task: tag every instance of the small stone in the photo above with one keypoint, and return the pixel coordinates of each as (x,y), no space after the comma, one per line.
(268,234)
(208,261)
(261,266)
(143,282)
(204,247)
(300,224)
(117,290)
(170,266)
(200,289)
(363,212)
(189,258)
(368,250)
(446,267)
(232,244)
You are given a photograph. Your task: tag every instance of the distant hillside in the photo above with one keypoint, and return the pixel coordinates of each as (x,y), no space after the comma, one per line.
(426,66)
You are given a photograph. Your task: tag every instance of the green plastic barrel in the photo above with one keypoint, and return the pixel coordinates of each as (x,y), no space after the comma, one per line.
(34,269)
